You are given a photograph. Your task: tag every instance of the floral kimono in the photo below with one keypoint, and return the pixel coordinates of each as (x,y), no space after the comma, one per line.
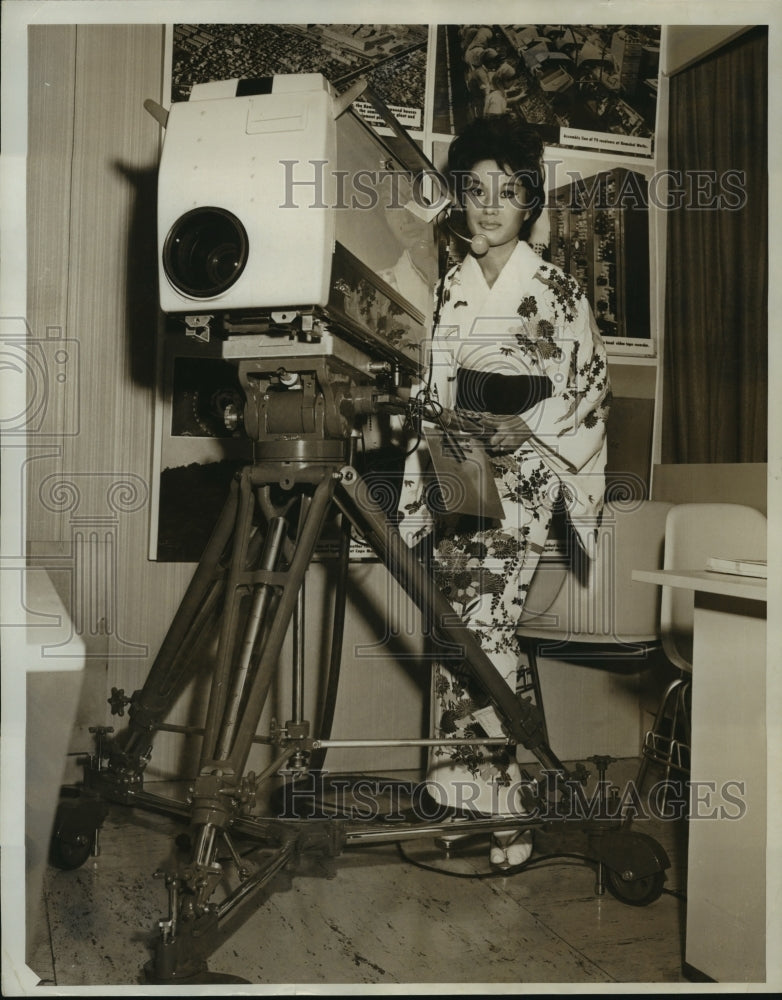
(533,324)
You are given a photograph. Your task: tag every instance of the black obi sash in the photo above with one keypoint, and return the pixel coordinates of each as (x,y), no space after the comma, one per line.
(494,392)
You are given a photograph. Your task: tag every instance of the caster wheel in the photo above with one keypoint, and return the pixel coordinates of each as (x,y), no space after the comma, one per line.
(76,823)
(637,892)
(69,855)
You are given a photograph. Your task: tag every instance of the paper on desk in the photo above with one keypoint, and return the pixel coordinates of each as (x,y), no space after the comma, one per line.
(738,567)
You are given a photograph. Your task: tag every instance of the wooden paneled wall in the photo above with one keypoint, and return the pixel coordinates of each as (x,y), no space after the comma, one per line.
(92,154)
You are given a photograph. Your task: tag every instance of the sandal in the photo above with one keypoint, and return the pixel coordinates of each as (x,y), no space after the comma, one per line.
(510,849)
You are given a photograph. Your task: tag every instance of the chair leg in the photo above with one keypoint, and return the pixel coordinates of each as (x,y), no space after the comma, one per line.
(663,743)
(666,757)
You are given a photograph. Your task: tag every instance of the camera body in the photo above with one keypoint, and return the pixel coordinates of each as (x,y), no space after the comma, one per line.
(283,214)
(224,157)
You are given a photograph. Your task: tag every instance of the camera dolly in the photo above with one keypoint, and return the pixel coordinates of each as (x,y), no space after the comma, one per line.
(247,592)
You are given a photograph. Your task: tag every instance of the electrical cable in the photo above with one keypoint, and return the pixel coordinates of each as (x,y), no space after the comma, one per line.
(676,893)
(543,861)
(560,858)
(563,859)
(416,407)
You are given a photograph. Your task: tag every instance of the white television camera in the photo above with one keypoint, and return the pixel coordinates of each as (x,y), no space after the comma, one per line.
(282,213)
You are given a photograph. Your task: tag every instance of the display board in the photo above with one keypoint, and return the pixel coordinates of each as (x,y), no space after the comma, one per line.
(590,91)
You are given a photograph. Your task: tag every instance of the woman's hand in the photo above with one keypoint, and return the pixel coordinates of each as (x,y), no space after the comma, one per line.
(471,421)
(504,433)
(500,434)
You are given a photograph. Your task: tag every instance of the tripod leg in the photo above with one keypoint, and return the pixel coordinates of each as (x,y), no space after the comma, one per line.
(328,700)
(235,706)
(230,613)
(232,721)
(530,680)
(173,663)
(289,582)
(262,598)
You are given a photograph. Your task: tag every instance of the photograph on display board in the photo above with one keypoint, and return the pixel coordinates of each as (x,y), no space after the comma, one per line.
(589,87)
(392,57)
(598,222)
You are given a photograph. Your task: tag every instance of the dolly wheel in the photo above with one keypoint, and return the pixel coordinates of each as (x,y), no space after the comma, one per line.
(71,854)
(635,892)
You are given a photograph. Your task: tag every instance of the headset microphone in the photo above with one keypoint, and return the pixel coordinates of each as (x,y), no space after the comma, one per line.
(479,244)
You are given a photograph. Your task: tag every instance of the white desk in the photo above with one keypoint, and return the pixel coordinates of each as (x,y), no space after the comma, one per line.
(726,880)
(49,661)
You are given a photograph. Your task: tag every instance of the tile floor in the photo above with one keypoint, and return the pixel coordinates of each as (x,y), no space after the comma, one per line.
(381,920)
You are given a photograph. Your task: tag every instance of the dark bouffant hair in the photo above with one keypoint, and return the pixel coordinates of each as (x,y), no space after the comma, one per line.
(513,145)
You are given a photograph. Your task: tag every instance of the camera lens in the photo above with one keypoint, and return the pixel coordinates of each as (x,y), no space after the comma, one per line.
(205,252)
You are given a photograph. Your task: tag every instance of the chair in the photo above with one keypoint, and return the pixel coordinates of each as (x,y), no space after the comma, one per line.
(586,607)
(693,533)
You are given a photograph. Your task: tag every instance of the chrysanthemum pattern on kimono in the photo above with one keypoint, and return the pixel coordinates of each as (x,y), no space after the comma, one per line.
(536,321)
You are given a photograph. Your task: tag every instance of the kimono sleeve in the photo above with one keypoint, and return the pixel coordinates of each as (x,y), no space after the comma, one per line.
(569,427)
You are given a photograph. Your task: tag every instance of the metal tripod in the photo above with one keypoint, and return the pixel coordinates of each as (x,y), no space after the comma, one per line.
(248,587)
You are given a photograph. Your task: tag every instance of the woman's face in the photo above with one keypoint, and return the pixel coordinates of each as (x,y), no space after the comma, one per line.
(495,204)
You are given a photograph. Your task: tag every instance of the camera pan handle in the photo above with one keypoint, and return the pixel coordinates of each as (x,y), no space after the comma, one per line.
(343,102)
(418,156)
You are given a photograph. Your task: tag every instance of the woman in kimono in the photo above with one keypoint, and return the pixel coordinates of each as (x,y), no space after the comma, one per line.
(515,346)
